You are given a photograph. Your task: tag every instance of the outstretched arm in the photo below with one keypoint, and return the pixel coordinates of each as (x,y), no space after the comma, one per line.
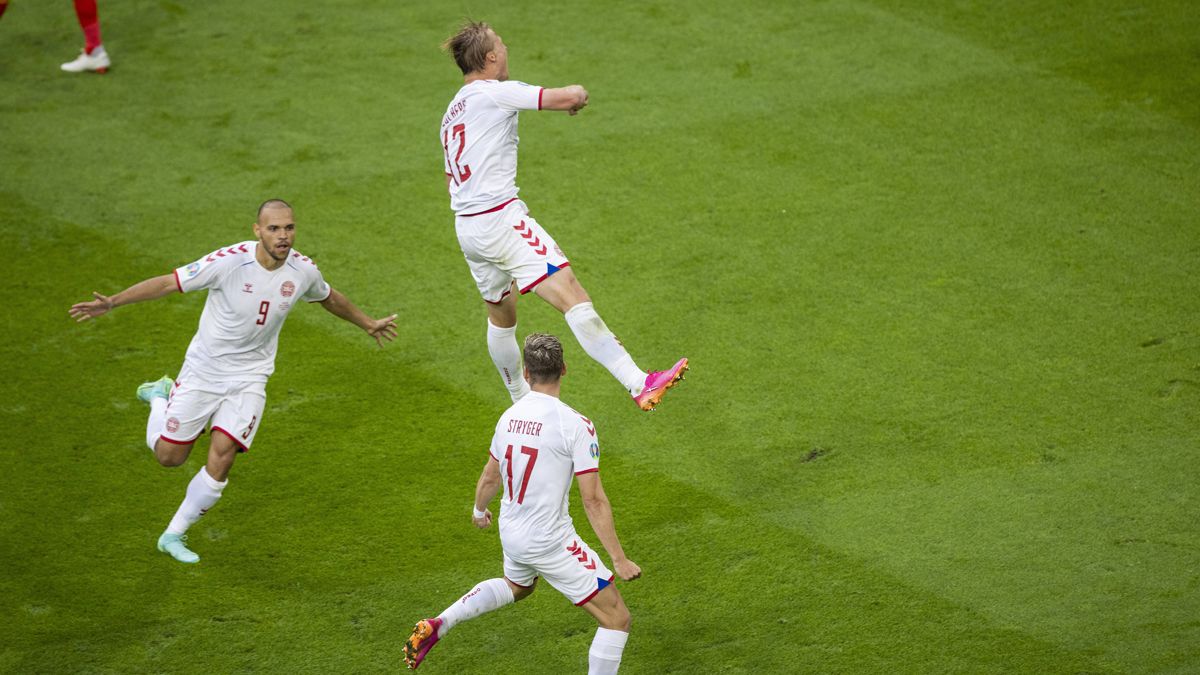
(599,513)
(340,306)
(572,99)
(485,492)
(150,289)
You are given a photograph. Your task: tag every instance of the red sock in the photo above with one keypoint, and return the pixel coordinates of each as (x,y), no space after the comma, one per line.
(89,21)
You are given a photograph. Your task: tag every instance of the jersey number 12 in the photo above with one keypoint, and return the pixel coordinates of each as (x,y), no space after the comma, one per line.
(459,172)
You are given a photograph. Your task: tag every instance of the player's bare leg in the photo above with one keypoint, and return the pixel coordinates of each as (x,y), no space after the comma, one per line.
(502,344)
(202,493)
(563,291)
(485,597)
(604,656)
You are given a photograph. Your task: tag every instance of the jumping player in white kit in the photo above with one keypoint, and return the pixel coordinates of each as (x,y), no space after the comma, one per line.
(505,247)
(540,444)
(252,287)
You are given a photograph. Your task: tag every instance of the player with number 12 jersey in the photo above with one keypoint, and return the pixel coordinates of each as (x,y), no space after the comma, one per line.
(506,249)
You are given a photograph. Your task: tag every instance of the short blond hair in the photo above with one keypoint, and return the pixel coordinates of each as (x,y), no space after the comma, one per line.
(543,358)
(470,46)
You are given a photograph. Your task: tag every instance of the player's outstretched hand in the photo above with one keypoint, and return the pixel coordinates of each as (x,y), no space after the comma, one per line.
(627,569)
(583,101)
(383,329)
(485,521)
(82,311)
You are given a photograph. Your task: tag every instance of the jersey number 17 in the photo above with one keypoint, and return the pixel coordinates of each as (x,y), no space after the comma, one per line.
(508,461)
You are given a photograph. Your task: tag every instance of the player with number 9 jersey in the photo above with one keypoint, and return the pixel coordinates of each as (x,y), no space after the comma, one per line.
(246,306)
(252,287)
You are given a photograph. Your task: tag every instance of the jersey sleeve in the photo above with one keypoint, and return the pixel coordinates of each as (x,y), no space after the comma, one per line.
(318,289)
(494,448)
(208,271)
(513,95)
(584,445)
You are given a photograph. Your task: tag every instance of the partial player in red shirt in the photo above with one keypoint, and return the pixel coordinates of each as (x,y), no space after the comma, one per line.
(93,57)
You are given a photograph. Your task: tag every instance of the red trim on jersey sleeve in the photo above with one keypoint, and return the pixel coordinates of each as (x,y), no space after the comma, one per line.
(177,284)
(580,473)
(326,295)
(232,438)
(491,210)
(541,279)
(541,90)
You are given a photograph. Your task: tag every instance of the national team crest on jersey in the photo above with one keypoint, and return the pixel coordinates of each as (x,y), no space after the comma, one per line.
(192,269)
(594,450)
(288,289)
(172,425)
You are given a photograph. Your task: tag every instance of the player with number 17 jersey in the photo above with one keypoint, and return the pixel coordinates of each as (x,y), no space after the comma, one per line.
(541,444)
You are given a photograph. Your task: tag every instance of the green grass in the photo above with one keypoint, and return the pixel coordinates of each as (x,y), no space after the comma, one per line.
(936,265)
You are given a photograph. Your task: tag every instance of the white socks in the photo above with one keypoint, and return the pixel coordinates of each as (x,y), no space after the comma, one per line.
(604,656)
(154,425)
(202,493)
(485,597)
(502,345)
(600,344)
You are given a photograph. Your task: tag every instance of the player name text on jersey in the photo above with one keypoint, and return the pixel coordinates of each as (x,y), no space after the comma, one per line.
(525,427)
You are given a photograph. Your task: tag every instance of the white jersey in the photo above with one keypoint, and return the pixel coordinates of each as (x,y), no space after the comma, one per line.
(479,138)
(246,306)
(541,444)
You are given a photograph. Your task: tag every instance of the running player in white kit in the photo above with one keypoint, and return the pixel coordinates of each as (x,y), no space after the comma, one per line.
(505,247)
(252,287)
(540,444)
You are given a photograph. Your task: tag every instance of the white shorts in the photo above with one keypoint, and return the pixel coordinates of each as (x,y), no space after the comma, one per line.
(506,246)
(234,409)
(573,568)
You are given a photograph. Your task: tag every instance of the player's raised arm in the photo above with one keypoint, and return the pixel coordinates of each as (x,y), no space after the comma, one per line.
(599,513)
(341,307)
(150,289)
(572,98)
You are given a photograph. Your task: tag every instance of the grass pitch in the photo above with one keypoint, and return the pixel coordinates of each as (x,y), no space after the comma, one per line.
(935,264)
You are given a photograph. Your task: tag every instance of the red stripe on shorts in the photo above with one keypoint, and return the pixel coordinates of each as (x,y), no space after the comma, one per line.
(491,210)
(541,279)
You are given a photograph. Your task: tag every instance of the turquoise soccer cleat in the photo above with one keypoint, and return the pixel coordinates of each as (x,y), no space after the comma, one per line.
(160,388)
(173,545)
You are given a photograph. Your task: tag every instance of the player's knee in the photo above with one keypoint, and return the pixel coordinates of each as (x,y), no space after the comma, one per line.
(171,455)
(623,620)
(522,592)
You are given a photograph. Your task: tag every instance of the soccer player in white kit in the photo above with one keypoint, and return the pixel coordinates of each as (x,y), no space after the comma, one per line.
(540,444)
(505,247)
(252,287)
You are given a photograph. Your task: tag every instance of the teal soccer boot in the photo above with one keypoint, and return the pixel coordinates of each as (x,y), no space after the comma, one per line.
(173,545)
(160,388)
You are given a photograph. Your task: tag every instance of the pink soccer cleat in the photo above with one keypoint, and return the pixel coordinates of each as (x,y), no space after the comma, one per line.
(423,638)
(657,384)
